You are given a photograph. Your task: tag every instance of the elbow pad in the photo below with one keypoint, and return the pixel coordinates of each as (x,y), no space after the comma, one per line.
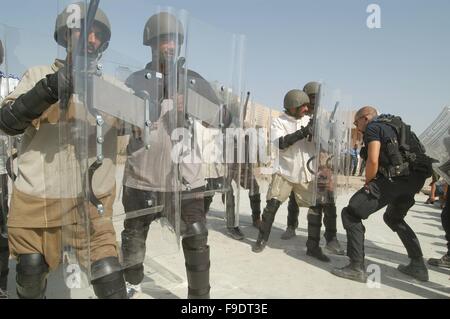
(17,116)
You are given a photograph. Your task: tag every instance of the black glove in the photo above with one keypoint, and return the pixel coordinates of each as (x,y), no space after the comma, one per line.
(29,106)
(309,129)
(303,132)
(60,83)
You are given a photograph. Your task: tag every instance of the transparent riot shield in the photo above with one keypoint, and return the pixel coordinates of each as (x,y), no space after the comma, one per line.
(344,122)
(215,101)
(4,153)
(23,50)
(10,37)
(120,186)
(256,170)
(436,139)
(330,154)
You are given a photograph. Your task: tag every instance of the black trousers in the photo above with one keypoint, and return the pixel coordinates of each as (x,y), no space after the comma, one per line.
(4,249)
(445,218)
(293,211)
(134,234)
(398,195)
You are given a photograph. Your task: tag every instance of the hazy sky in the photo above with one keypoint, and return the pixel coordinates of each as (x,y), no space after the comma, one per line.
(402,68)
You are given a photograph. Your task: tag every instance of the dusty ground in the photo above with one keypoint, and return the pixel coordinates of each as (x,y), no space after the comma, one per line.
(283,270)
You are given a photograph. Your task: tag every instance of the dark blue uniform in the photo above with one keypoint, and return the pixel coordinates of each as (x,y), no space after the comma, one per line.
(397,193)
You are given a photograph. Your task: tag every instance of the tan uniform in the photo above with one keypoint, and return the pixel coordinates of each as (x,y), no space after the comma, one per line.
(48,191)
(291,173)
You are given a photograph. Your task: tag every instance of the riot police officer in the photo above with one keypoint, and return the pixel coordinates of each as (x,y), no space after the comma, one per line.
(164,33)
(36,220)
(289,133)
(396,169)
(328,210)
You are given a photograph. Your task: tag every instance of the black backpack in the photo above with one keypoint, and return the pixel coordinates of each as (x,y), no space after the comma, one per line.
(410,147)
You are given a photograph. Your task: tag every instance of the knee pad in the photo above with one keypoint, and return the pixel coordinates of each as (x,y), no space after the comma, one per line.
(31,277)
(196,236)
(349,217)
(314,216)
(271,209)
(329,211)
(268,215)
(134,236)
(109,282)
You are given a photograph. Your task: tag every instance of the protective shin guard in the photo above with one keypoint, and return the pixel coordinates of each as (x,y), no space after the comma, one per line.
(197,270)
(109,282)
(4,267)
(314,224)
(31,276)
(134,236)
(330,222)
(268,217)
(293,212)
(255,204)
(196,255)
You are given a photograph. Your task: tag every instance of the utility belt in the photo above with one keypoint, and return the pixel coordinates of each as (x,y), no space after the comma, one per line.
(395,170)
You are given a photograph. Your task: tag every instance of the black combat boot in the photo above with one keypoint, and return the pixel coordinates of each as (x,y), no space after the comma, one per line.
(334,247)
(353,271)
(444,261)
(266,225)
(255,204)
(235,233)
(416,269)
(312,243)
(317,252)
(289,233)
